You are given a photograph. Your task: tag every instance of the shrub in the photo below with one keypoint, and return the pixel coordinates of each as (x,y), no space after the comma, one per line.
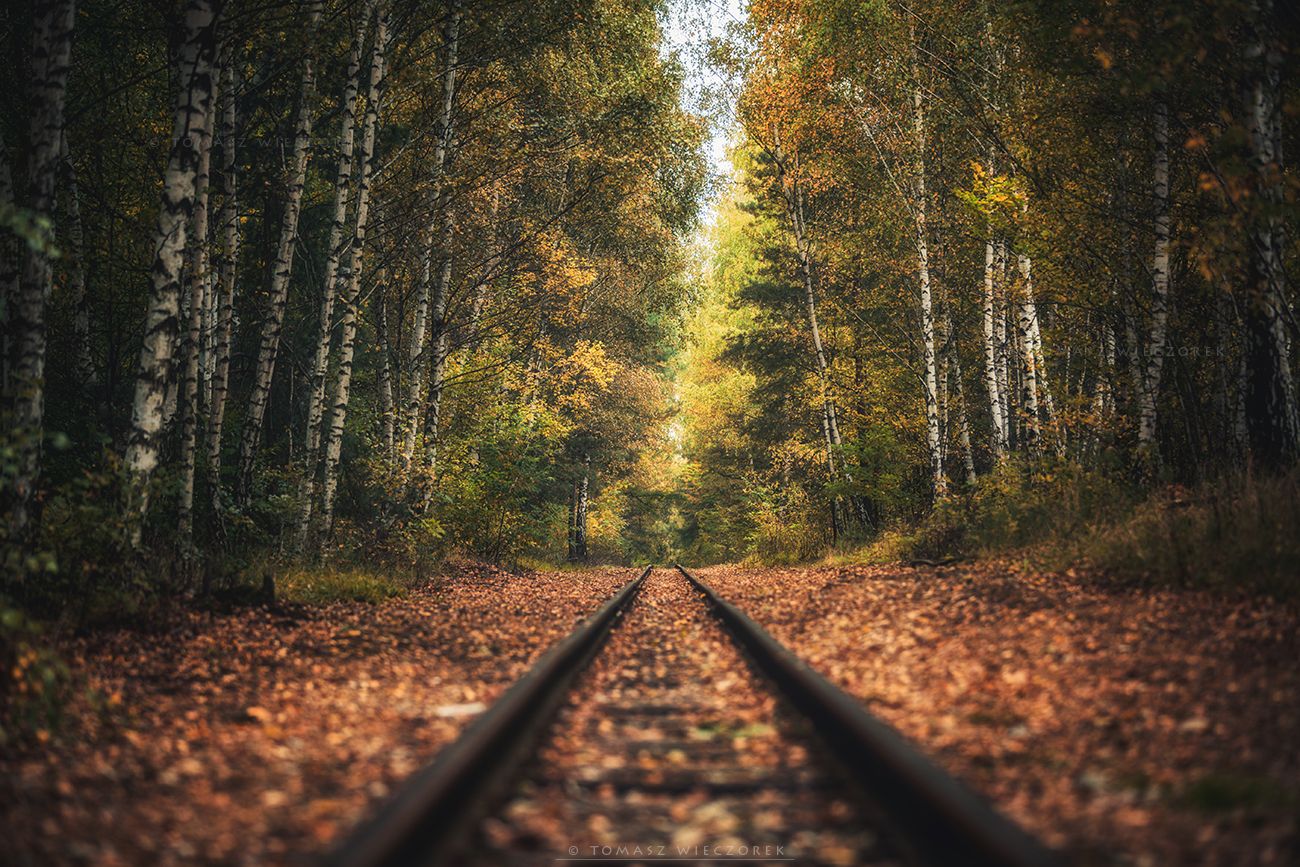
(34,682)
(1233,533)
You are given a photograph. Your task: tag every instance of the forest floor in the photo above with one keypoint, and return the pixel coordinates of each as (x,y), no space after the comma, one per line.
(258,736)
(1123,725)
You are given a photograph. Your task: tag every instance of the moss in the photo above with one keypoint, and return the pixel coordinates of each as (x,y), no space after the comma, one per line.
(324,585)
(1226,792)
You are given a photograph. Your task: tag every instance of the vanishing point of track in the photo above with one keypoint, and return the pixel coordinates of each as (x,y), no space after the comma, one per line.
(668,721)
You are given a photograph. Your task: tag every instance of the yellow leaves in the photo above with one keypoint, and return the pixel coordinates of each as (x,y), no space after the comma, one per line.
(1103,58)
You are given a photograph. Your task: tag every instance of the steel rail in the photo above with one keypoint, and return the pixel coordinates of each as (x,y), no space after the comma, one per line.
(422,823)
(937,818)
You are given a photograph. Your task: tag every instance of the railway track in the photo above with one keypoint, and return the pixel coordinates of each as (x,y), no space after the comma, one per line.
(670,727)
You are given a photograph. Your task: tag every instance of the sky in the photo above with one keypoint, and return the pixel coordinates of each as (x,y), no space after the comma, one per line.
(688,27)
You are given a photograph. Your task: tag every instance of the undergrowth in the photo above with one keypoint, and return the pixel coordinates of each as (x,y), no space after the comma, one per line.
(324,584)
(1233,533)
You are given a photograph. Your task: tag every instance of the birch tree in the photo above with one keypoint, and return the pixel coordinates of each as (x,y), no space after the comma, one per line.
(938,479)
(193,103)
(351,298)
(224,308)
(1155,355)
(199,280)
(281,268)
(330,281)
(79,301)
(51,57)
(428,334)
(1271,409)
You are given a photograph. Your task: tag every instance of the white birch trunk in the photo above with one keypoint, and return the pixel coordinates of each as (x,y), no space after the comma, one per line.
(1148,447)
(427,301)
(932,427)
(1273,421)
(1025,321)
(1001,312)
(387,428)
(803,247)
(51,60)
(347,340)
(77,271)
(197,277)
(989,311)
(157,354)
(281,271)
(219,388)
(329,286)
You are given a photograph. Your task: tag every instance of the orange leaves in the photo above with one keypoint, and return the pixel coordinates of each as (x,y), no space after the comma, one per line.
(1092,715)
(279,728)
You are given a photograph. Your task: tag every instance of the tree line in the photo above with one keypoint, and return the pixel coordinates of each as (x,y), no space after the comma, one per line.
(974,241)
(371,278)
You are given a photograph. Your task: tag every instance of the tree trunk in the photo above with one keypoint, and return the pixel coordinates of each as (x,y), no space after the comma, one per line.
(329,284)
(959,389)
(193,103)
(85,368)
(1025,322)
(197,277)
(387,428)
(581,490)
(219,388)
(1004,367)
(793,196)
(1148,447)
(50,62)
(281,270)
(347,340)
(989,310)
(437,233)
(11,259)
(1270,400)
(933,438)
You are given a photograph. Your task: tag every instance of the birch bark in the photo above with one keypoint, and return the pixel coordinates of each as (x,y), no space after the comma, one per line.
(989,313)
(198,279)
(387,429)
(193,103)
(938,479)
(1270,400)
(281,271)
(51,58)
(347,340)
(1148,448)
(427,301)
(77,270)
(1027,316)
(329,283)
(225,307)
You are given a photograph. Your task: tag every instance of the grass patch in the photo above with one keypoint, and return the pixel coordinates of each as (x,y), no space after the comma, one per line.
(323,585)
(1236,534)
(1233,534)
(1225,792)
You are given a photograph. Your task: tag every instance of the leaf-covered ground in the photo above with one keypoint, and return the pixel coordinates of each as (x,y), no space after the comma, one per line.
(670,747)
(256,737)
(1125,726)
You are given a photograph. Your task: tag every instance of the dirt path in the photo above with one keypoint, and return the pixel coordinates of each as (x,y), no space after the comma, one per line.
(1129,727)
(257,737)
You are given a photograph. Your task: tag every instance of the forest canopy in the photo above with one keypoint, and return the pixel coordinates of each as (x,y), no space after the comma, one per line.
(376,281)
